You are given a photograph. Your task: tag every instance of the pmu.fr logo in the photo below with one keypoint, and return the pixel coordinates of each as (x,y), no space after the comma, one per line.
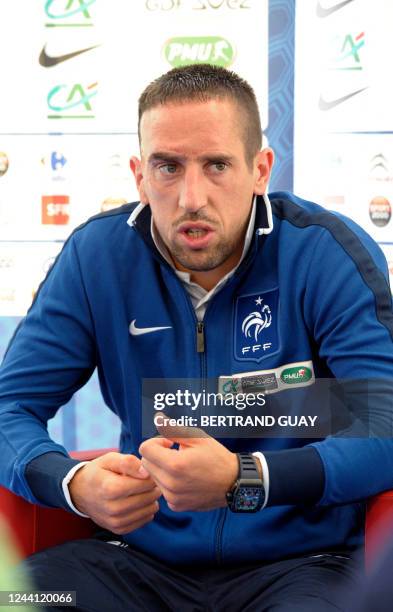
(71,101)
(75,13)
(347,52)
(256,326)
(186,50)
(55,209)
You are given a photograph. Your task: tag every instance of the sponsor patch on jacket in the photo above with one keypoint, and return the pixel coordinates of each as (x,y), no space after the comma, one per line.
(256,326)
(299,374)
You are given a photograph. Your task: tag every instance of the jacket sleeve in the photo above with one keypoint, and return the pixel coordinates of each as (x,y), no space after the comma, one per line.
(51,355)
(348,310)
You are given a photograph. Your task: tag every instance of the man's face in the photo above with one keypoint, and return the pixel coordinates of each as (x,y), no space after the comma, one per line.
(194,175)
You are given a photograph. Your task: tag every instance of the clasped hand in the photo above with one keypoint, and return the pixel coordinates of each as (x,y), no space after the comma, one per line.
(120,492)
(194,477)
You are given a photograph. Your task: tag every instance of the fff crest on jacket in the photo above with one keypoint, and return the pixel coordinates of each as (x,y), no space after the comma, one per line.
(256,326)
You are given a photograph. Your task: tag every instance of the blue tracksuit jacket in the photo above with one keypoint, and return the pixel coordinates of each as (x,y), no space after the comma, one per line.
(329,313)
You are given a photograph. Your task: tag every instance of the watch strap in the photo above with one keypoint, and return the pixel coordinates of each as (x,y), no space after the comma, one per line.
(247,467)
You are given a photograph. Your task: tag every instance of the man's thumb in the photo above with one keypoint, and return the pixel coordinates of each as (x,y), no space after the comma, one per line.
(187,436)
(126,464)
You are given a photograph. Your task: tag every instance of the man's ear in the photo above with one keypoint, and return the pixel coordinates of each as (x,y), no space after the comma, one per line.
(263,164)
(136,168)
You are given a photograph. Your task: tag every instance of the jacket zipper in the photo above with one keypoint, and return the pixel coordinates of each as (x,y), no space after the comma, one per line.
(200,347)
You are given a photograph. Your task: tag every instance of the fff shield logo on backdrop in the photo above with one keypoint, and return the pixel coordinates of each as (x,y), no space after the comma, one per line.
(256,326)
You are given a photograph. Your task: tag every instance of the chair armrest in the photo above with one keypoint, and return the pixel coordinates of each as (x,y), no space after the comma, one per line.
(379,526)
(88,455)
(35,527)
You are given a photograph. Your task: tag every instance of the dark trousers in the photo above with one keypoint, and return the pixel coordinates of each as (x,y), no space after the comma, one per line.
(110,578)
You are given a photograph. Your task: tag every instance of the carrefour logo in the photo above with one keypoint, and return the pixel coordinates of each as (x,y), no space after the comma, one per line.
(296,375)
(183,51)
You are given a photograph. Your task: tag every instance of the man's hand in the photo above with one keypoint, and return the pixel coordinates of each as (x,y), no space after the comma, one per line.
(195,477)
(116,492)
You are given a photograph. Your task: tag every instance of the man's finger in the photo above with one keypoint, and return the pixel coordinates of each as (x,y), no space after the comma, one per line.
(158,474)
(156,450)
(122,507)
(127,465)
(187,436)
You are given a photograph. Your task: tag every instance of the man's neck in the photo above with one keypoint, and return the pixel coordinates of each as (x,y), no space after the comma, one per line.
(207,279)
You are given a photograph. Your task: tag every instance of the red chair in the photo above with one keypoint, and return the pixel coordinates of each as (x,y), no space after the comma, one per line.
(36,527)
(379,526)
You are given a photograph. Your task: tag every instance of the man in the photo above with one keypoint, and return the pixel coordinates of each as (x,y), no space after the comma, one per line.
(206,279)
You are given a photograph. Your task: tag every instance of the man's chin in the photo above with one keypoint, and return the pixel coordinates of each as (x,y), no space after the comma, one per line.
(197,263)
(201,260)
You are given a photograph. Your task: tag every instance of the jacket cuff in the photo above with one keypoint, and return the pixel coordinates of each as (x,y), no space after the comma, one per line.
(45,475)
(297,476)
(66,491)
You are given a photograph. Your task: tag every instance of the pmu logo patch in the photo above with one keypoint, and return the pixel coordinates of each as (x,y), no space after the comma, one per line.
(256,326)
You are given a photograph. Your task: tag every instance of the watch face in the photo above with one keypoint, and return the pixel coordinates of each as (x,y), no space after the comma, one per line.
(248,499)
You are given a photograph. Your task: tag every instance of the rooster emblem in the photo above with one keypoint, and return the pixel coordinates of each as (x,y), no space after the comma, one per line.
(255,322)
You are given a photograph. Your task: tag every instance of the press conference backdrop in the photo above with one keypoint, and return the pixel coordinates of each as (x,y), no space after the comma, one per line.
(71,74)
(343,111)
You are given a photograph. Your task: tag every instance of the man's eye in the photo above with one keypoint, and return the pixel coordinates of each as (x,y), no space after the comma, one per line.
(168,168)
(219,166)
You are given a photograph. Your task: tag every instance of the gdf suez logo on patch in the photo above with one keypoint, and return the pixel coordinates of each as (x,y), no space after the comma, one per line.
(256,326)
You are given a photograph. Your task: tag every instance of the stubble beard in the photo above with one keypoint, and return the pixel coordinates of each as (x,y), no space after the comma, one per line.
(203,260)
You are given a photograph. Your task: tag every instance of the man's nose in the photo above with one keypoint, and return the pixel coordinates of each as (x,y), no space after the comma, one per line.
(193,191)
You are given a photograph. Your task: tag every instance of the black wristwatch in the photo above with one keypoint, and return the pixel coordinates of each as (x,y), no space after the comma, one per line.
(248,493)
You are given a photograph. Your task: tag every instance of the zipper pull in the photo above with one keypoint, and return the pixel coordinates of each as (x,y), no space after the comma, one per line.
(200,345)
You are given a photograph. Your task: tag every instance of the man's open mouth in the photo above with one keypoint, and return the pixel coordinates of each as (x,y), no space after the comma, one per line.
(196,234)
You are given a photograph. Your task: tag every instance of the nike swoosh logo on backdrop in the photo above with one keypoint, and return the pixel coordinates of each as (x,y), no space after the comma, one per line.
(138,331)
(47,61)
(325,105)
(325,12)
